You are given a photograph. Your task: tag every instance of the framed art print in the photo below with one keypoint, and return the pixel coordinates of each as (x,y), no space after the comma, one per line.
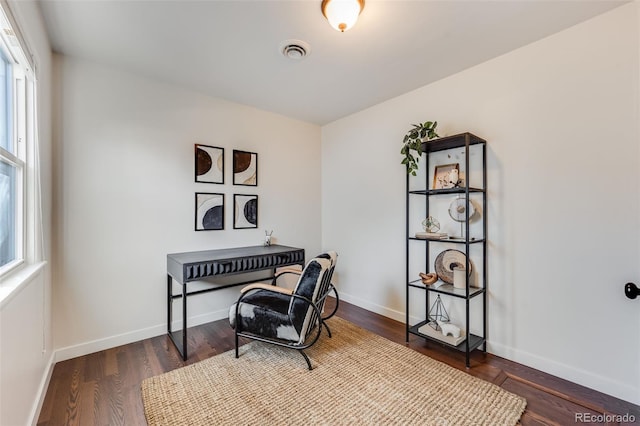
(209,164)
(445,175)
(245,168)
(209,211)
(245,211)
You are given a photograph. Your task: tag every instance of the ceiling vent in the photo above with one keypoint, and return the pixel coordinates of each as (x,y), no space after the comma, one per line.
(295,49)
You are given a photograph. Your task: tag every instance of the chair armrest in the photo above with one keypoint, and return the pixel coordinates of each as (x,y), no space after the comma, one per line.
(286,270)
(269,287)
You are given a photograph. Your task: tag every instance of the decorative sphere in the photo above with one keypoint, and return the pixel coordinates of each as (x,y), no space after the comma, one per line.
(431,224)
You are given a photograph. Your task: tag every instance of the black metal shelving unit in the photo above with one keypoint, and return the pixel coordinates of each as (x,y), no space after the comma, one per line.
(472,341)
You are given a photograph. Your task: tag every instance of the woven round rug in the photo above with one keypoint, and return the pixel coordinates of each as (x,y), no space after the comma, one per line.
(359,378)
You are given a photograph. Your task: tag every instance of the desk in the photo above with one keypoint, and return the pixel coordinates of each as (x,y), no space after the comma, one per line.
(229,267)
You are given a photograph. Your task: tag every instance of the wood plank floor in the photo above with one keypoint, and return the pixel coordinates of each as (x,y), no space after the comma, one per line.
(103,388)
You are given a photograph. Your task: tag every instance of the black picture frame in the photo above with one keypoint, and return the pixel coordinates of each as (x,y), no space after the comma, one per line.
(245,211)
(245,168)
(208,164)
(209,211)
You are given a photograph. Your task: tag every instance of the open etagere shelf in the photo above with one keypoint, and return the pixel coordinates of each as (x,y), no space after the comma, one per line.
(455,142)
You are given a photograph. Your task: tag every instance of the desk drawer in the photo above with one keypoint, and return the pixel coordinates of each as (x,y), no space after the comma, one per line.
(242,264)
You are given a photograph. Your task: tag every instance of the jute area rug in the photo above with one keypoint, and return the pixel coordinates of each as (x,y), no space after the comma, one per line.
(358,378)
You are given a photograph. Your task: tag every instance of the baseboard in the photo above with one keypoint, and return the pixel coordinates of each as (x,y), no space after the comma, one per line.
(69,352)
(86,348)
(575,375)
(582,377)
(378,309)
(42,391)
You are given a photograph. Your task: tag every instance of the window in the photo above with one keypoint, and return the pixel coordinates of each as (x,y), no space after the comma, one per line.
(14,78)
(8,211)
(6,103)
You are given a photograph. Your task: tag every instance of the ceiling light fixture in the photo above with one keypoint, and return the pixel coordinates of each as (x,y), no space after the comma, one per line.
(342,14)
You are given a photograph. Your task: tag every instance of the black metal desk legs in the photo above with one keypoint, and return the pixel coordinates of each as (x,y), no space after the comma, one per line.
(169,304)
(182,349)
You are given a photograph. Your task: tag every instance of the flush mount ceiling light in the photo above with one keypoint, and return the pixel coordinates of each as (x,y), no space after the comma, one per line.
(295,49)
(342,14)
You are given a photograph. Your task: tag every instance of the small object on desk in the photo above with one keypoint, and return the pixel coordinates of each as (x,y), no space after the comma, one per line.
(267,237)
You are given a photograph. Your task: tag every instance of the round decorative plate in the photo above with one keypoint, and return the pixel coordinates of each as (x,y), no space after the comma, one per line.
(446,261)
(458,209)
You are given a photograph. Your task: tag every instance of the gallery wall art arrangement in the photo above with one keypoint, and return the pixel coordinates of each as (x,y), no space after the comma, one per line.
(209,206)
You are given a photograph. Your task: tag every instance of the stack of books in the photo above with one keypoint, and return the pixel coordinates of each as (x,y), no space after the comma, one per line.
(430,235)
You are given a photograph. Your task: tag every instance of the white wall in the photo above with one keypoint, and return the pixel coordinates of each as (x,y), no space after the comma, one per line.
(25,316)
(26,352)
(125,182)
(561,120)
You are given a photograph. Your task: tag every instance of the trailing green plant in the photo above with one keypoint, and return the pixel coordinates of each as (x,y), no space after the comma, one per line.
(412,143)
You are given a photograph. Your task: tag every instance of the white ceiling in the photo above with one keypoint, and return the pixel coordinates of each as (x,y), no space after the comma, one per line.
(230,49)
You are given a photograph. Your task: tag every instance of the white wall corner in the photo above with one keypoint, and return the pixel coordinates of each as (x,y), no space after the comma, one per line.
(42,391)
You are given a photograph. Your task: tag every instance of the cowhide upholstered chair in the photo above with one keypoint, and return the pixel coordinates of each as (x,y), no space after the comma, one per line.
(285,317)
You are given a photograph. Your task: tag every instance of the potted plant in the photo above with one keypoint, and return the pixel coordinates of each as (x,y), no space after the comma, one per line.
(412,142)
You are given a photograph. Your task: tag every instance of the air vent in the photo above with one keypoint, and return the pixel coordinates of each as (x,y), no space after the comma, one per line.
(295,49)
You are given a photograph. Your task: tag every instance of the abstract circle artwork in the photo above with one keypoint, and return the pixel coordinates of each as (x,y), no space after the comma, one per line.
(209,211)
(245,168)
(245,211)
(209,164)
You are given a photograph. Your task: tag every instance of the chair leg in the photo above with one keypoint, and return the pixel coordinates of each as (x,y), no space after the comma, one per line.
(236,333)
(306,358)
(327,327)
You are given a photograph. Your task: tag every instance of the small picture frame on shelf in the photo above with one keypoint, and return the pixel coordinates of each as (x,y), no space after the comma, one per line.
(446,176)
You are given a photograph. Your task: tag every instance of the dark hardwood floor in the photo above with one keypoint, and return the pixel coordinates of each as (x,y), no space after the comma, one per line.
(103,388)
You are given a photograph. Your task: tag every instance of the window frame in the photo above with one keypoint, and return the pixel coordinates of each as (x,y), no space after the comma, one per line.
(18,213)
(16,157)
